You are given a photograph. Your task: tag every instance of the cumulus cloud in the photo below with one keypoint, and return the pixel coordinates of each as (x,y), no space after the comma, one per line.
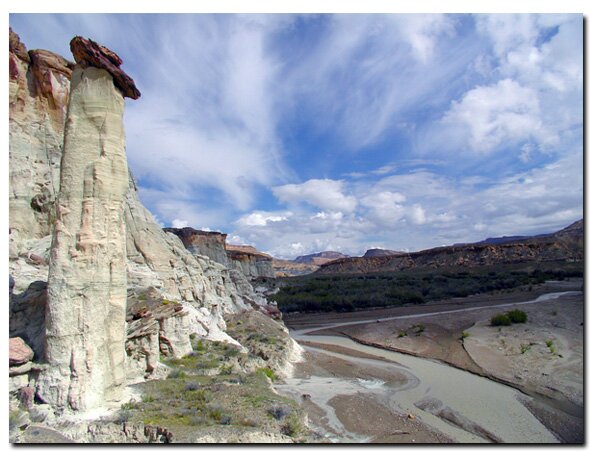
(489,116)
(326,194)
(261,219)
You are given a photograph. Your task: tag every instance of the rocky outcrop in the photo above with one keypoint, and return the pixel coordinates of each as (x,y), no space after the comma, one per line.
(247,259)
(567,245)
(284,268)
(19,358)
(209,244)
(87,53)
(18,352)
(250,262)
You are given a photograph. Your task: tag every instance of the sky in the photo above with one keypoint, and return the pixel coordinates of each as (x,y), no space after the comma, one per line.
(303,133)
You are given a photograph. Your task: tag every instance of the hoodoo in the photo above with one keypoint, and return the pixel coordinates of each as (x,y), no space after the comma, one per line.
(85,316)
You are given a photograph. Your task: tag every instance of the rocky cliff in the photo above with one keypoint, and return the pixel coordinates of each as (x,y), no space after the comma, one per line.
(565,245)
(250,262)
(121,291)
(209,244)
(245,259)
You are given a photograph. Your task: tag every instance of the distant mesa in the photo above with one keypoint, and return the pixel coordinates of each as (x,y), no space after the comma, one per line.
(377,252)
(320,258)
(566,245)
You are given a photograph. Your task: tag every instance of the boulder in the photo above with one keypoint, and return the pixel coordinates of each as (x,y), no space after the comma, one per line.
(87,53)
(19,352)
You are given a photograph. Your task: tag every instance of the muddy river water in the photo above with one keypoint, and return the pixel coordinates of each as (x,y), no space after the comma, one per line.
(463,406)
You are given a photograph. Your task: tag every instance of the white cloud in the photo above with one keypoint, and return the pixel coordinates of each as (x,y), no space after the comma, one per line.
(325,194)
(502,113)
(261,219)
(422,31)
(178,223)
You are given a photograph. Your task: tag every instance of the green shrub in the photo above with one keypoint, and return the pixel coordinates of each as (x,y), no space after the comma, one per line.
(524,348)
(517,316)
(464,335)
(418,328)
(500,319)
(269,373)
(292,426)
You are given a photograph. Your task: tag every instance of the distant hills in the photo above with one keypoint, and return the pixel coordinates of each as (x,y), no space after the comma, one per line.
(565,245)
(320,258)
(377,252)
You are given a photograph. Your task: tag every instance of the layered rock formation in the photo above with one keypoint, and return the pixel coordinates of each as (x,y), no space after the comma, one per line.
(190,292)
(246,259)
(250,262)
(285,268)
(39,85)
(85,330)
(565,245)
(209,244)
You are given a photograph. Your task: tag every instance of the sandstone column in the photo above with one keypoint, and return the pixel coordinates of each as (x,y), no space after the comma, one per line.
(85,317)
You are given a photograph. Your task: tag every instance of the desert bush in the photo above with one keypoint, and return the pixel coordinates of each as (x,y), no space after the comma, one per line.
(517,316)
(418,328)
(500,319)
(176,373)
(464,335)
(279,411)
(190,386)
(123,416)
(292,426)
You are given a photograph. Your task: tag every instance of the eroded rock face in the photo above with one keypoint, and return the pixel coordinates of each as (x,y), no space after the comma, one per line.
(85,316)
(210,244)
(250,262)
(39,86)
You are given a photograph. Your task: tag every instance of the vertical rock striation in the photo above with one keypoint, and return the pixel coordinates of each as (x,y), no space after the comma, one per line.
(85,316)
(39,84)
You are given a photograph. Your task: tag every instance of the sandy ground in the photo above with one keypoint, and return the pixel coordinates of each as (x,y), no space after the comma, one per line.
(518,355)
(358,415)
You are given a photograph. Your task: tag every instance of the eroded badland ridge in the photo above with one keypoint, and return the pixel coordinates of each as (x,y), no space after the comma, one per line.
(101,297)
(565,245)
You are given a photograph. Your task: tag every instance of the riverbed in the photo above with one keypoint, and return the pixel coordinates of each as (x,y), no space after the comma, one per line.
(347,386)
